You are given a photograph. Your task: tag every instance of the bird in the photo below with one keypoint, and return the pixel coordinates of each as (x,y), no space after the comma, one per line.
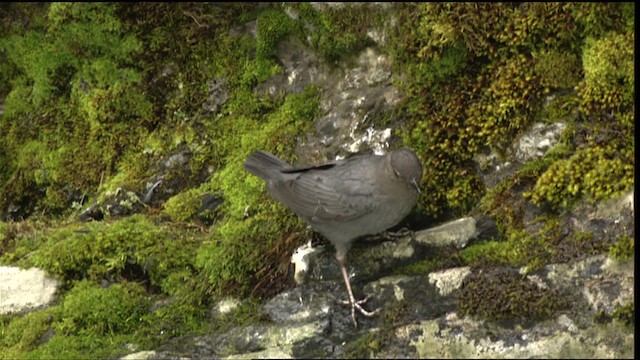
(345,199)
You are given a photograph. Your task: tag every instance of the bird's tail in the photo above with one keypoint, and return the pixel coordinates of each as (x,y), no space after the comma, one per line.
(265,165)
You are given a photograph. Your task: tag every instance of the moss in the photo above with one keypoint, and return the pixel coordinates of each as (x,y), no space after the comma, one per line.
(184,206)
(78,81)
(364,346)
(501,293)
(595,172)
(134,248)
(626,314)
(557,69)
(272,25)
(175,317)
(377,341)
(337,32)
(513,56)
(608,72)
(421,267)
(623,248)
(23,333)
(561,107)
(91,309)
(90,322)
(521,248)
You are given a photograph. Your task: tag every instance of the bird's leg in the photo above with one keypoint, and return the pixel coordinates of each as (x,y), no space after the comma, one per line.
(352,301)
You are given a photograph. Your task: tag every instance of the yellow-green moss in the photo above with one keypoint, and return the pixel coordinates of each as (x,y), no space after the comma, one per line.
(337,32)
(519,249)
(623,248)
(271,26)
(184,206)
(595,172)
(514,55)
(22,333)
(557,69)
(626,314)
(91,309)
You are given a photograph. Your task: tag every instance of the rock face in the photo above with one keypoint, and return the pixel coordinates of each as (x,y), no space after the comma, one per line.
(420,318)
(23,290)
(358,95)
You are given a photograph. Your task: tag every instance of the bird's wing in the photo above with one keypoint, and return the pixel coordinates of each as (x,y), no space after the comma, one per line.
(327,193)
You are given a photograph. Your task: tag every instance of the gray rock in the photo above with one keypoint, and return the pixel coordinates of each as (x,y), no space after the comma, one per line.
(24,290)
(457,232)
(532,145)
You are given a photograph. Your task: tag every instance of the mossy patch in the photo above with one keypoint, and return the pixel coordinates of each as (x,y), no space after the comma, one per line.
(377,341)
(24,333)
(623,249)
(502,293)
(94,310)
(626,314)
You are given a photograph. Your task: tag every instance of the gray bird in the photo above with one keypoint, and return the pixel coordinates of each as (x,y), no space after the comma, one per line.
(346,199)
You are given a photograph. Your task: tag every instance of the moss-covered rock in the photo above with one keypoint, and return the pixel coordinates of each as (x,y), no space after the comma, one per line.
(502,293)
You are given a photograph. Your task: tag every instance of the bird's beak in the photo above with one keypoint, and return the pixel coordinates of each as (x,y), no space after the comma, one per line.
(415,184)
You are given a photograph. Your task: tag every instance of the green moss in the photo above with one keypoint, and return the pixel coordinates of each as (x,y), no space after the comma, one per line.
(90,322)
(240,242)
(337,32)
(418,268)
(557,69)
(623,248)
(272,25)
(24,332)
(520,249)
(184,206)
(91,309)
(393,316)
(626,314)
(597,173)
(501,293)
(76,77)
(134,248)
(174,317)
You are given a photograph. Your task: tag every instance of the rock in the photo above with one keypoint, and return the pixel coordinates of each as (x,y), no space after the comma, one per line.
(537,141)
(457,233)
(532,145)
(25,290)
(308,321)
(465,338)
(299,305)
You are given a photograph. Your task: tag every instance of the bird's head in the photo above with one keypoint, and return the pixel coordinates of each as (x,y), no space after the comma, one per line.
(407,166)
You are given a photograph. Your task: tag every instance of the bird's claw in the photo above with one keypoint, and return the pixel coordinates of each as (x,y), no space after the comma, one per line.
(357,305)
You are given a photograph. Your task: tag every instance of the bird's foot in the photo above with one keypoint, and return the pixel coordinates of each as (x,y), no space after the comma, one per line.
(357,305)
